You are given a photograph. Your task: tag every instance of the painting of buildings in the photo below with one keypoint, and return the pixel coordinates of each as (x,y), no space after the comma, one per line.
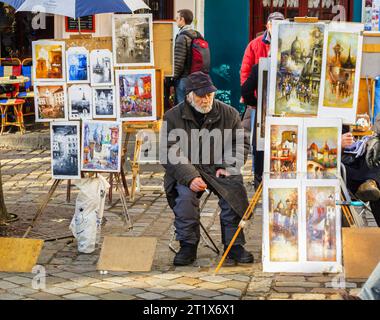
(104,102)
(49,60)
(283,224)
(50,102)
(322,152)
(283,151)
(321,223)
(101,68)
(65,150)
(101,146)
(80,102)
(297,60)
(136,95)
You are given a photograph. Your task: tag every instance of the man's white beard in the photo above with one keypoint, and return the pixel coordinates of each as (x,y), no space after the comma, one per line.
(200,109)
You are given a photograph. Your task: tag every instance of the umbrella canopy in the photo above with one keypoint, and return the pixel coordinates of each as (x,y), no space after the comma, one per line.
(78,8)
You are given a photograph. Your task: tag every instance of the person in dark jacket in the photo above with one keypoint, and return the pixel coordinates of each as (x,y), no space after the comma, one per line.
(182,51)
(194,162)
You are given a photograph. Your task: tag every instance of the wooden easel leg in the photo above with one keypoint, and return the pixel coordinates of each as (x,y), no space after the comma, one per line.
(135,167)
(42,207)
(123,200)
(111,189)
(124,181)
(68,192)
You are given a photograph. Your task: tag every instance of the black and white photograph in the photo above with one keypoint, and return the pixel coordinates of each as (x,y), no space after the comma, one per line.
(80,102)
(65,152)
(104,103)
(133,40)
(101,68)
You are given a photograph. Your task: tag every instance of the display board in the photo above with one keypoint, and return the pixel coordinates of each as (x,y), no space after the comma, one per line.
(87,24)
(164,38)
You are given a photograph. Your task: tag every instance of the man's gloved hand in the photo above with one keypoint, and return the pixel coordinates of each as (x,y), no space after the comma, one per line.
(373,153)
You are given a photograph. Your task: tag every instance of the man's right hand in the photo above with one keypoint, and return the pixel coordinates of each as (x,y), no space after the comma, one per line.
(347,140)
(198,185)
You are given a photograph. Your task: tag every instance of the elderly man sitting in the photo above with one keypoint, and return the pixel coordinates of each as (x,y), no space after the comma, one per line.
(203,146)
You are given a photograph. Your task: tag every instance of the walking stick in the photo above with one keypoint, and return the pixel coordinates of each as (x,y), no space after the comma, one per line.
(245,217)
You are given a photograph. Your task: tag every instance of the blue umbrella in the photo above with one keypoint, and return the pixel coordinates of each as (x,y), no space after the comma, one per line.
(78,8)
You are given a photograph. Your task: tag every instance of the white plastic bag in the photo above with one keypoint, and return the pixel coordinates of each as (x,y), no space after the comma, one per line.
(89,209)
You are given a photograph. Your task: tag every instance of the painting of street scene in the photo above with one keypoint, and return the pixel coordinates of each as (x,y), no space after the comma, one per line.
(50,102)
(101,68)
(321,223)
(65,150)
(48,59)
(132,40)
(322,152)
(80,102)
(283,151)
(104,102)
(299,68)
(283,224)
(342,52)
(101,146)
(136,95)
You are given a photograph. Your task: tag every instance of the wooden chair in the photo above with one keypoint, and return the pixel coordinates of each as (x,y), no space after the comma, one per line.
(17,105)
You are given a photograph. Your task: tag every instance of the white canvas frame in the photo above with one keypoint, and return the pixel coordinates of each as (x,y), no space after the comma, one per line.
(77,50)
(36,96)
(321,123)
(114,38)
(347,114)
(115,123)
(264,65)
(93,61)
(65,123)
(70,101)
(274,61)
(34,57)
(282,121)
(94,115)
(152,72)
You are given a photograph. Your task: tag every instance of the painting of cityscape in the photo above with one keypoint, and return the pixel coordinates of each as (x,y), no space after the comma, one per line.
(78,64)
(262,102)
(321,223)
(133,40)
(65,154)
(283,224)
(297,54)
(101,146)
(50,102)
(322,152)
(104,102)
(136,95)
(80,102)
(49,60)
(101,68)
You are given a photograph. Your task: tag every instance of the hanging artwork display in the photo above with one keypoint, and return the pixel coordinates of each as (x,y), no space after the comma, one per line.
(101,146)
(136,95)
(296,68)
(370,15)
(133,40)
(341,72)
(101,68)
(80,102)
(262,102)
(65,151)
(78,65)
(104,102)
(283,145)
(322,148)
(50,101)
(49,60)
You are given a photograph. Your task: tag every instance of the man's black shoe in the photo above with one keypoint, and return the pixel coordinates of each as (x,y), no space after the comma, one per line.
(239,254)
(186,255)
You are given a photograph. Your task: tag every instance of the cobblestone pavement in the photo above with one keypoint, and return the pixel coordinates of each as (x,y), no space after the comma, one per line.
(70,275)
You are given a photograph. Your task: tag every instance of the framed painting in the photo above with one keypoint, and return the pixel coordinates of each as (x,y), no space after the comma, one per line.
(101,146)
(262,102)
(80,102)
(132,40)
(283,146)
(78,65)
(104,103)
(49,61)
(50,101)
(136,95)
(322,148)
(65,150)
(341,71)
(101,68)
(296,68)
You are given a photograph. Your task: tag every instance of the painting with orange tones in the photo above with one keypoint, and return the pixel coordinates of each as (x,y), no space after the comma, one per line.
(49,60)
